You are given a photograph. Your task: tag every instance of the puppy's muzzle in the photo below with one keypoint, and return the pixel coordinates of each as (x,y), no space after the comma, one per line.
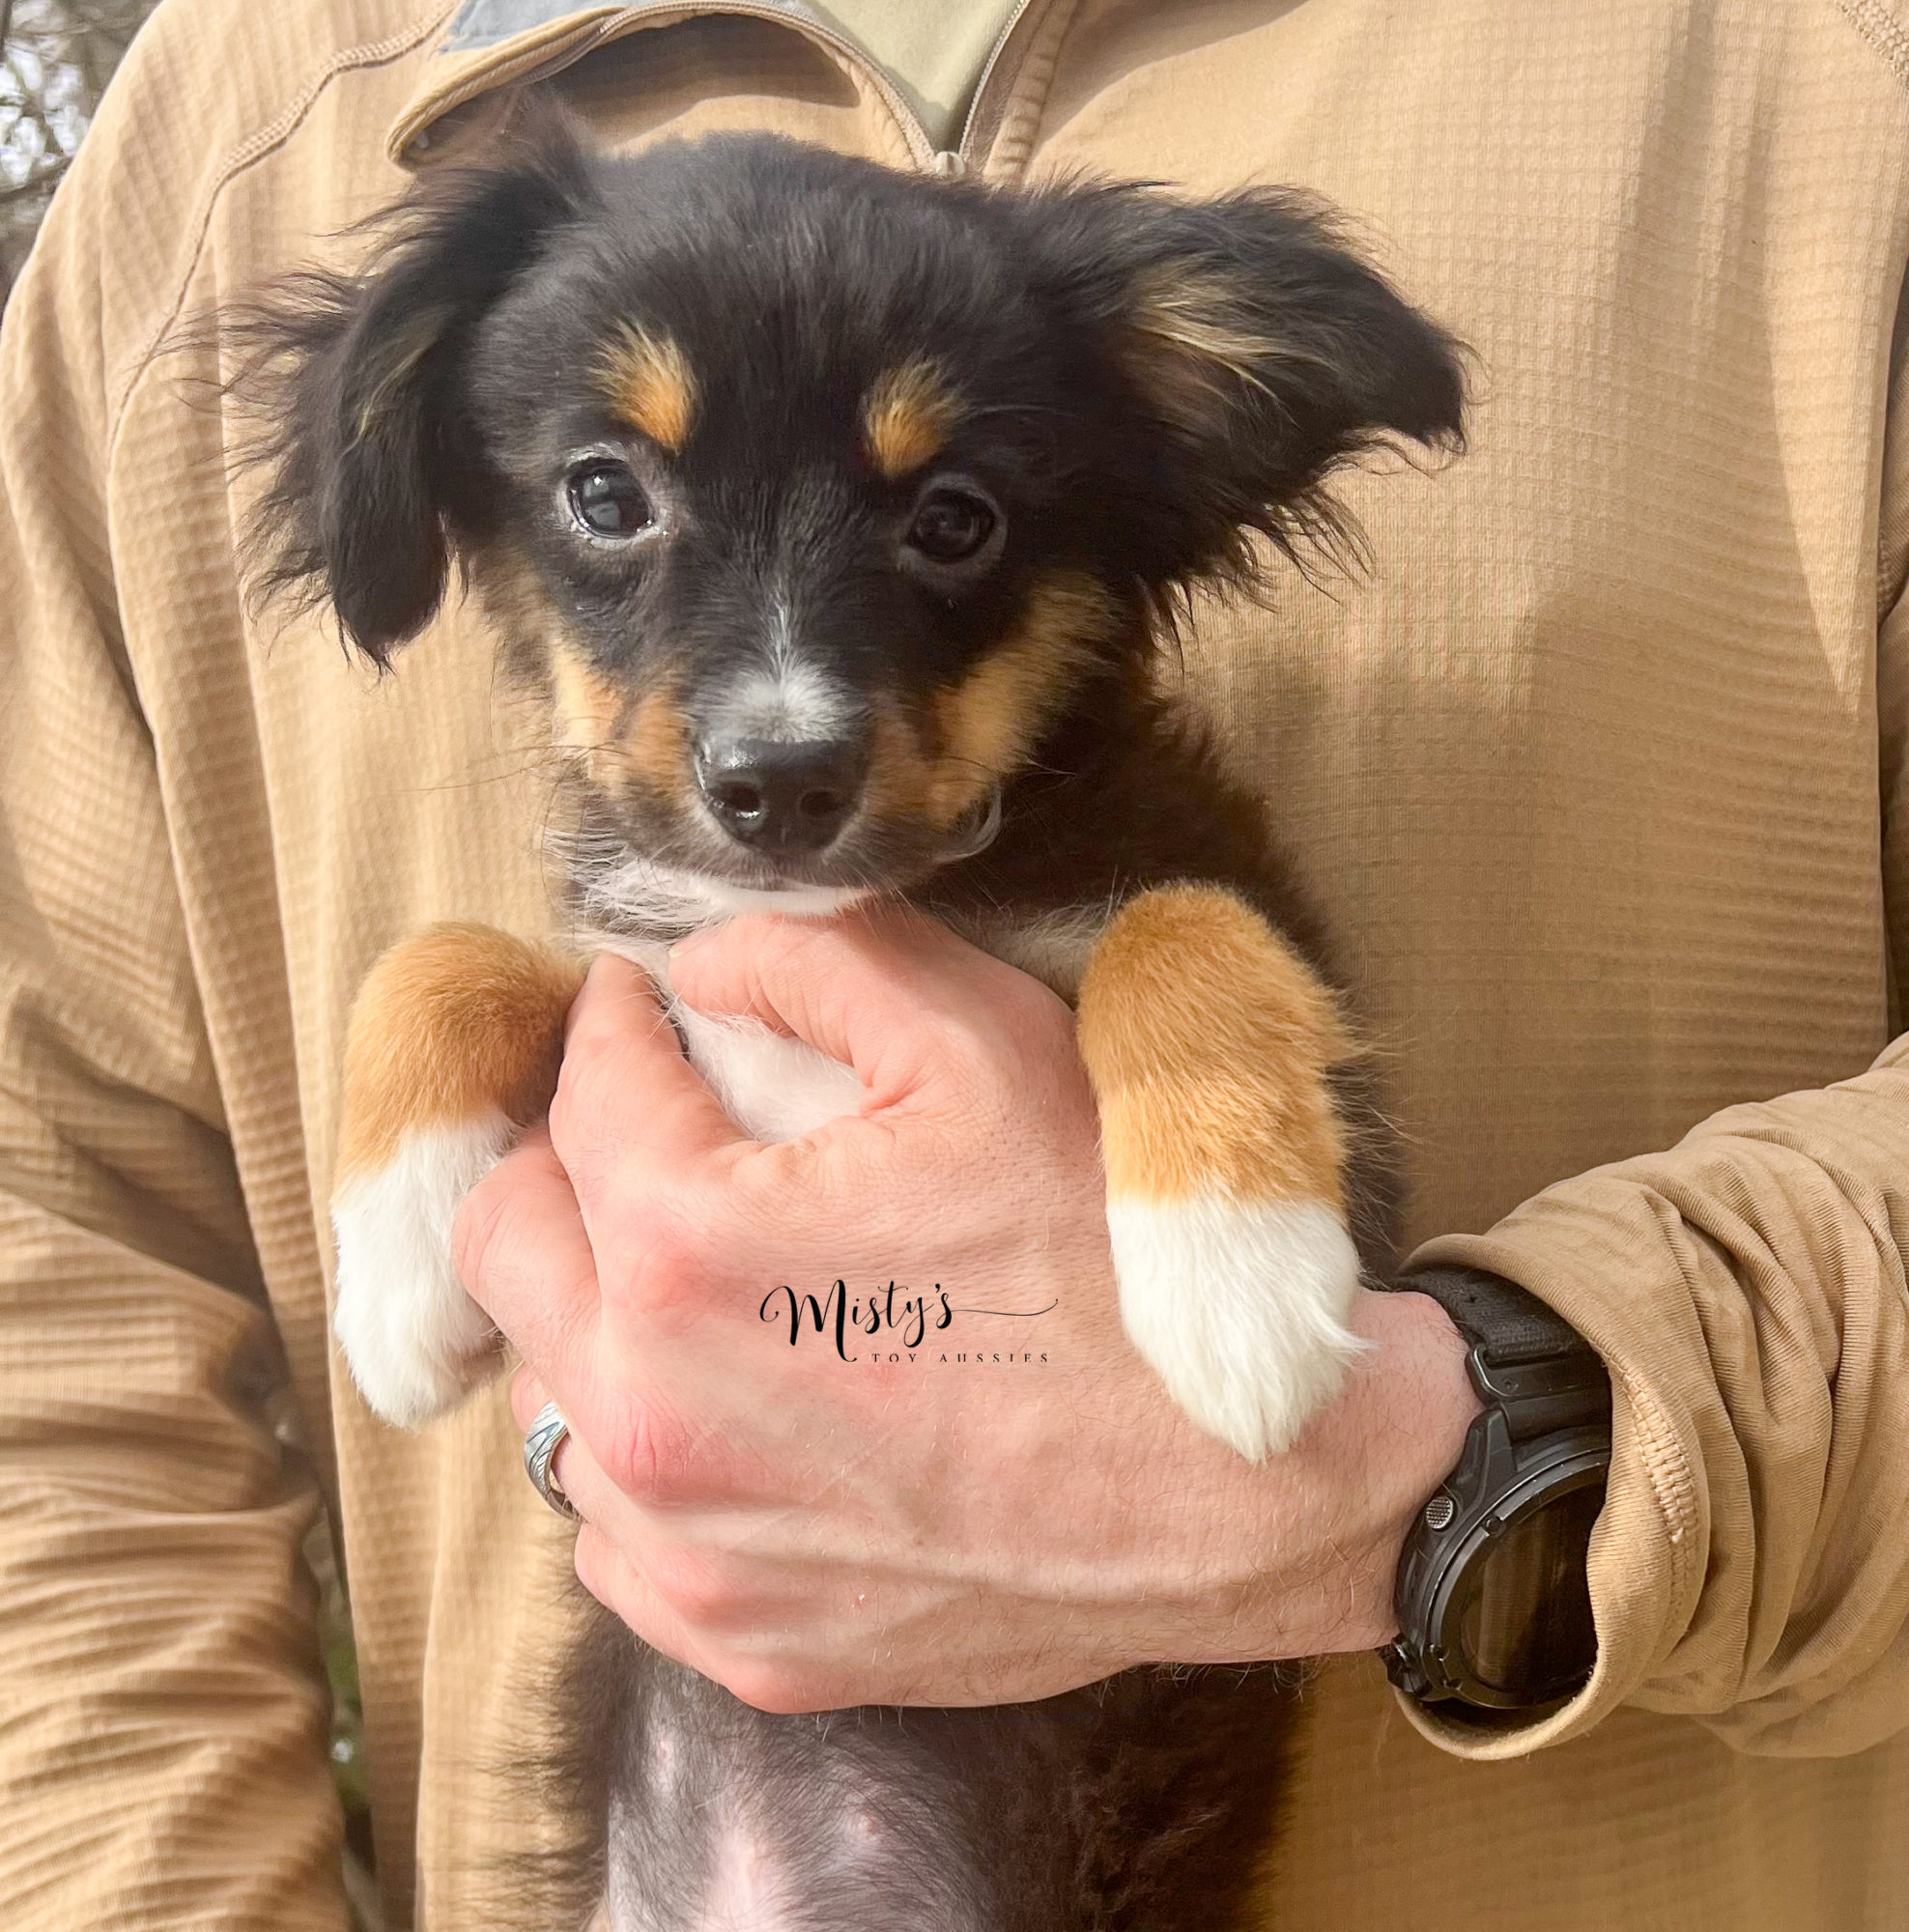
(781,798)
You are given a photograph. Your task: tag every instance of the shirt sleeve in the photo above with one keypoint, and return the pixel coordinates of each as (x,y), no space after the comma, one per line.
(1747,1291)
(162,1754)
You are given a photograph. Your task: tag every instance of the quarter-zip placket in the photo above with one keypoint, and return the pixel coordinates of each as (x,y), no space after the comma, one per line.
(564,50)
(955,162)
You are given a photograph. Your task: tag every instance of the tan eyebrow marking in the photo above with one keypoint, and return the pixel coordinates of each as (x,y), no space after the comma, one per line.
(907,416)
(650,383)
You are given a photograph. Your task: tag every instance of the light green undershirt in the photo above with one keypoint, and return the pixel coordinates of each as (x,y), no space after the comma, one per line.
(932,50)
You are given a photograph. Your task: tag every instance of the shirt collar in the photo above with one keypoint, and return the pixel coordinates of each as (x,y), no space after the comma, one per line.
(494,44)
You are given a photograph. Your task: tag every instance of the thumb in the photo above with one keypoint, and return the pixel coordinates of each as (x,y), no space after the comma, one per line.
(627,1101)
(889,992)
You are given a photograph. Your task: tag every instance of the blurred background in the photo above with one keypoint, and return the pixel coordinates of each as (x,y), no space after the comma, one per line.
(56,57)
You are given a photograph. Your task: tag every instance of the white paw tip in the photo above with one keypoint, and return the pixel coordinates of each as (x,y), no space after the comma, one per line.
(1240,1306)
(416,1343)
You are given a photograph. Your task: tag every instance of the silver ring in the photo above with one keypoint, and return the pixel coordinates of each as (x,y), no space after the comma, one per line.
(540,1446)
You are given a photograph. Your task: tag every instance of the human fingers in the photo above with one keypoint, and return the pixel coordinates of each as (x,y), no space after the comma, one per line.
(680,1605)
(889,992)
(628,1101)
(520,1248)
(528,1392)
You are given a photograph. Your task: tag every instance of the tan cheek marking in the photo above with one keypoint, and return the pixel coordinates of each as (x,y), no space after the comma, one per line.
(652,751)
(650,385)
(989,722)
(900,776)
(589,706)
(907,419)
(449,1024)
(1209,1041)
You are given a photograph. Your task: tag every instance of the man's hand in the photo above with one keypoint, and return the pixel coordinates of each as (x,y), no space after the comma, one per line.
(988,1511)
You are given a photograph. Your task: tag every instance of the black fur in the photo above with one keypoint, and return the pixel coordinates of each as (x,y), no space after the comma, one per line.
(1156,395)
(1145,1801)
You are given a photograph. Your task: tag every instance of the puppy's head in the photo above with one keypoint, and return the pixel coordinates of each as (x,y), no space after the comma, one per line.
(813,495)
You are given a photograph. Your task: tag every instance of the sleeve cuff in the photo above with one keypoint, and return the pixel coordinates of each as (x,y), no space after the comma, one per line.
(1644,1579)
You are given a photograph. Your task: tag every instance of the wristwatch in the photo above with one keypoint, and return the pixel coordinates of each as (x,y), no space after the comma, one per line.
(1493,1601)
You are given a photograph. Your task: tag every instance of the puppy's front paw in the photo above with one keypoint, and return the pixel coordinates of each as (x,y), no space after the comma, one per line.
(416,1342)
(455,1039)
(1240,1306)
(1210,1043)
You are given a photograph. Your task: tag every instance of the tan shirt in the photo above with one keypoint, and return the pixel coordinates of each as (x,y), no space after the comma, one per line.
(1599,772)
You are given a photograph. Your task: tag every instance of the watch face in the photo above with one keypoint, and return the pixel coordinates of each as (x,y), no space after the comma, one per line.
(1523,1620)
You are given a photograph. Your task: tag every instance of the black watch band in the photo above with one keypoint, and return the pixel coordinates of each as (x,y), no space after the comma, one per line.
(1492,1599)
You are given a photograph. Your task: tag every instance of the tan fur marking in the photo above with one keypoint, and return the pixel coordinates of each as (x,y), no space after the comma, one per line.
(448,1024)
(1207,1041)
(981,729)
(1192,351)
(907,417)
(653,747)
(989,722)
(589,705)
(900,776)
(650,382)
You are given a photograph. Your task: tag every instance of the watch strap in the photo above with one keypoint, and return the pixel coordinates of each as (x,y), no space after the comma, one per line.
(1543,1433)
(1522,1357)
(1509,1322)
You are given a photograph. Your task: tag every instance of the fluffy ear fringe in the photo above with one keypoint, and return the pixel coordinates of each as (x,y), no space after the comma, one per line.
(344,387)
(1263,353)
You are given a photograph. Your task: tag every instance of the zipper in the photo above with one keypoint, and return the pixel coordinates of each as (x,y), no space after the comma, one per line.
(960,158)
(948,164)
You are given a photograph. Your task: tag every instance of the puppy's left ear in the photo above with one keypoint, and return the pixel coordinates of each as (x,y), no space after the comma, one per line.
(1260,354)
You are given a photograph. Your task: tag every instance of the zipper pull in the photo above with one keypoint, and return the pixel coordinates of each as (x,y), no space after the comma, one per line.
(948,166)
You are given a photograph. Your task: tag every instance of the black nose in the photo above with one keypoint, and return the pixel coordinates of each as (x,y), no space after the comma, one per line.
(781,798)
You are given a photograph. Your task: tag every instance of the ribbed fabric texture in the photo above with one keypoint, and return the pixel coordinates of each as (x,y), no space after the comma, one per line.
(1596,774)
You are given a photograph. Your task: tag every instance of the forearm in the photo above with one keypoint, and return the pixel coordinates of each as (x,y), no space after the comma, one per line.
(1747,1291)
(163,1762)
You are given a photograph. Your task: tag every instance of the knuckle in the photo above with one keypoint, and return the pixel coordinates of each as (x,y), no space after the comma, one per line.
(700,1590)
(772,1685)
(645,1453)
(1035,1014)
(659,1267)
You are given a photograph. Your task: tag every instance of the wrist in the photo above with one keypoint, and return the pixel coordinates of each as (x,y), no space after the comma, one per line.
(1401,1431)
(1322,1528)
(1492,1593)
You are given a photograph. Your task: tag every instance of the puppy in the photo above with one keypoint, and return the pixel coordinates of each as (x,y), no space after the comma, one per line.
(838,516)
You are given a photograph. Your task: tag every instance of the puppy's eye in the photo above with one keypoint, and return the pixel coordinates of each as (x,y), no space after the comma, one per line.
(952,526)
(607,500)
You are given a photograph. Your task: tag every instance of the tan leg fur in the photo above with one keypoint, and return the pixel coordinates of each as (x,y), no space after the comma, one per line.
(1209,1043)
(454,1044)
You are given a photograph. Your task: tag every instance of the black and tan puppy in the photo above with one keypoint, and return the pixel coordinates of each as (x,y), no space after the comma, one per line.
(837,515)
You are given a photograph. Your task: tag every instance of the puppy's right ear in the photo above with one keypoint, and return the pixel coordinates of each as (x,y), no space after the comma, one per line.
(352,381)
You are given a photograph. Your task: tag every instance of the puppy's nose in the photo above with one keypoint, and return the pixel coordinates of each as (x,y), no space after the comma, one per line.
(781,798)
